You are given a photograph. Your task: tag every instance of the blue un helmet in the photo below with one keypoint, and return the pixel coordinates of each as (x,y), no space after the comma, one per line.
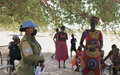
(27,24)
(15,36)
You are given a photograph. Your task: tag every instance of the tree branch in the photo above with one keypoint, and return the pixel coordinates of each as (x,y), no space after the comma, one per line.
(117,36)
(50,11)
(117,1)
(2,4)
(107,7)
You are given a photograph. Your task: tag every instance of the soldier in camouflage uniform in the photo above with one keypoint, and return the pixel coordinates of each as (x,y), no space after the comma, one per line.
(30,50)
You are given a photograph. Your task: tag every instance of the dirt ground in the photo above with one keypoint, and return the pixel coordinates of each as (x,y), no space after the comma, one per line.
(51,67)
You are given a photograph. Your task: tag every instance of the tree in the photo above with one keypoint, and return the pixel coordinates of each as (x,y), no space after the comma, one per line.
(60,12)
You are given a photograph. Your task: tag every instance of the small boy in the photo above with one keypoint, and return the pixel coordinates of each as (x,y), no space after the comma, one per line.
(77,59)
(40,69)
(73,44)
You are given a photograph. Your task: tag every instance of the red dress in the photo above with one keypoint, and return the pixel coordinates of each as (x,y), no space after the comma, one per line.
(62,50)
(91,59)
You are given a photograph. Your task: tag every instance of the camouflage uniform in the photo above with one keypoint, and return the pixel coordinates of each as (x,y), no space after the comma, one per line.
(31,55)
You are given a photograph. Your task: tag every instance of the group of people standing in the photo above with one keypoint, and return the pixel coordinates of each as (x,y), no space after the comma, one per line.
(91,55)
(89,58)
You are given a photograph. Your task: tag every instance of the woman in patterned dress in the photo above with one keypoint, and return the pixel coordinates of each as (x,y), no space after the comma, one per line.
(62,51)
(91,55)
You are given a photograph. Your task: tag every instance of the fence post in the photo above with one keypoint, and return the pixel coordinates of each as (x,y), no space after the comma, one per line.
(10,70)
(1,53)
(1,57)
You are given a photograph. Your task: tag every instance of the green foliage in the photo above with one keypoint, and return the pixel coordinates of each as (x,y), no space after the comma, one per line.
(15,12)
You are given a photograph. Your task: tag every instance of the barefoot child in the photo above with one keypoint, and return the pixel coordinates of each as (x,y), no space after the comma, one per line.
(77,58)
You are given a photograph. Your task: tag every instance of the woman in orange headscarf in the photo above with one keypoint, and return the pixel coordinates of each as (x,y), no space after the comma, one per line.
(94,42)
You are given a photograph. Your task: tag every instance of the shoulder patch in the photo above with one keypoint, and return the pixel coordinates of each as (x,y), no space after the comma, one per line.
(27,50)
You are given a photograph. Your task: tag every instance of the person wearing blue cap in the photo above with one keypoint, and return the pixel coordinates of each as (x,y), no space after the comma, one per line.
(30,50)
(14,51)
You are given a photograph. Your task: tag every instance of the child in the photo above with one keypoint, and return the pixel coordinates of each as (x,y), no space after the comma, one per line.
(40,69)
(77,58)
(73,44)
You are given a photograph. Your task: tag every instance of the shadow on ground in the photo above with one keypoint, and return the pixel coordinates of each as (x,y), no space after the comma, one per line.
(51,67)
